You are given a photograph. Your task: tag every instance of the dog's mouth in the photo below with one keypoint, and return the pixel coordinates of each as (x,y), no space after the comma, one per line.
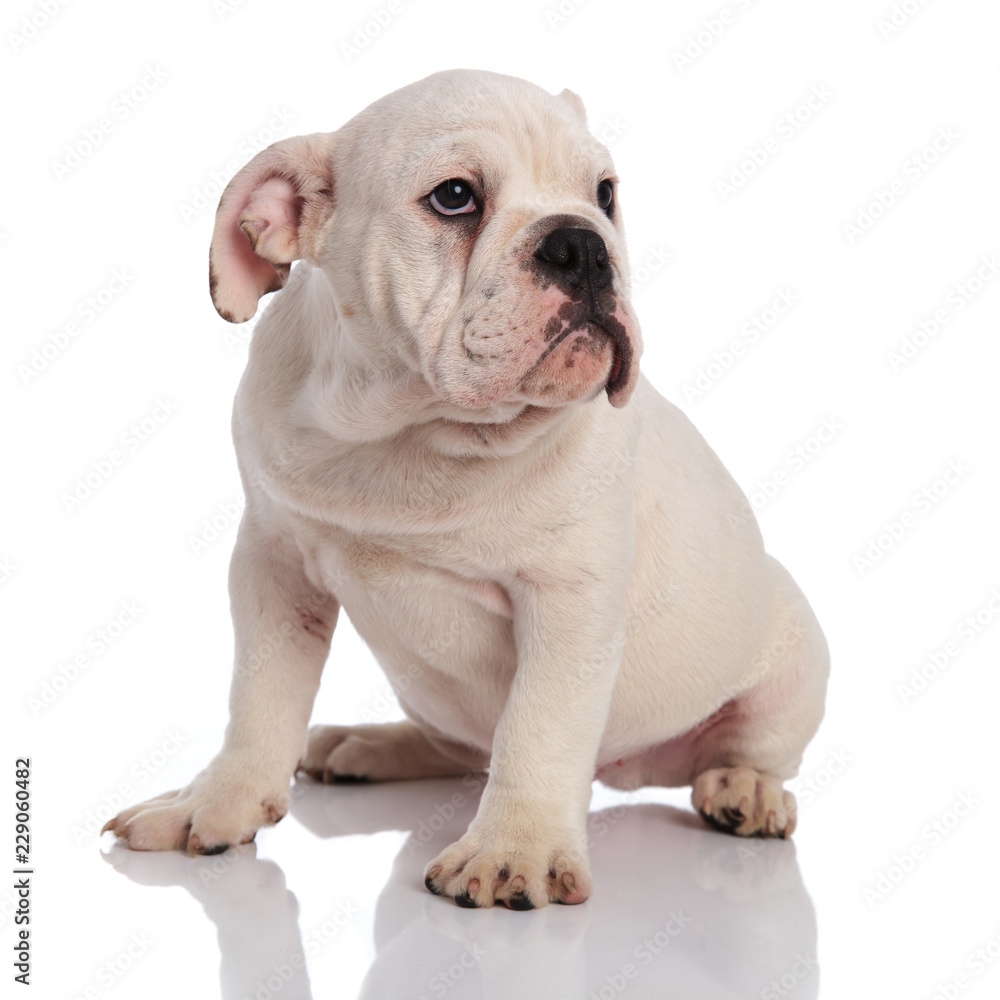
(622,349)
(621,358)
(616,366)
(596,327)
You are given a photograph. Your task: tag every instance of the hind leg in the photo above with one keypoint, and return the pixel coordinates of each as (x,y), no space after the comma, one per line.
(737,758)
(387,751)
(742,755)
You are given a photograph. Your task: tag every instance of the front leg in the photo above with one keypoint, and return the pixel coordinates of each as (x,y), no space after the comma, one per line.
(526,846)
(283,627)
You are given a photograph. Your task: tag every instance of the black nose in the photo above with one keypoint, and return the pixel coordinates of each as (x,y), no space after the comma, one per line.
(576,259)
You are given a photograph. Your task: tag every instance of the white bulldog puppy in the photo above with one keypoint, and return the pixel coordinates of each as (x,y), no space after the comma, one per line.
(442,429)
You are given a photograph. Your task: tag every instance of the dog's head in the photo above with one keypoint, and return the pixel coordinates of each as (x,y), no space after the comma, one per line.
(468,224)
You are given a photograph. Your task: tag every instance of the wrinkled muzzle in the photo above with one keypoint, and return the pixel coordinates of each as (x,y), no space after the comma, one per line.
(548,325)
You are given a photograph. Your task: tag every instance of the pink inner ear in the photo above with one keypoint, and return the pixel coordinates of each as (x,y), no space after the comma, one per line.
(241,274)
(272,219)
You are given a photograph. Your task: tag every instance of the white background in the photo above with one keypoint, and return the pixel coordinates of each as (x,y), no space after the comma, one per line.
(337,881)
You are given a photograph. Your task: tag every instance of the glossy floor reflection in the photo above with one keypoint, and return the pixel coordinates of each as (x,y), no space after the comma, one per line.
(679,911)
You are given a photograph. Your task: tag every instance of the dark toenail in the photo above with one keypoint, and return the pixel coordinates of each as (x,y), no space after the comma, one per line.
(429,882)
(348,779)
(218,849)
(520,901)
(464,899)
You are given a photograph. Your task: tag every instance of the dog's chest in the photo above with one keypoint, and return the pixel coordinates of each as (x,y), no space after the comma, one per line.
(350,566)
(401,602)
(444,640)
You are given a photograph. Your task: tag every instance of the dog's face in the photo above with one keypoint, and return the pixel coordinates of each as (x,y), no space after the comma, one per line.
(468,224)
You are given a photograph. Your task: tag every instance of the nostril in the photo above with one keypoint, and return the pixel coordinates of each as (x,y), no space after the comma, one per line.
(557,249)
(576,257)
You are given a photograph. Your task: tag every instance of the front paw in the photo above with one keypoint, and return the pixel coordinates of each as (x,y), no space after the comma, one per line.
(211,814)
(521,871)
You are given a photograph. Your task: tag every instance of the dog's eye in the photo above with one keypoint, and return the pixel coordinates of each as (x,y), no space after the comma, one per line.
(605,196)
(453,197)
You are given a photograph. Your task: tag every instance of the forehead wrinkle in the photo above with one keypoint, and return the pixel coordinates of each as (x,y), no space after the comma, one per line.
(560,150)
(536,134)
(545,151)
(493,156)
(535,153)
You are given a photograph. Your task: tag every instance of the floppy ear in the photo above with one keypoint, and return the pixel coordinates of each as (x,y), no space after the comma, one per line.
(269,215)
(573,100)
